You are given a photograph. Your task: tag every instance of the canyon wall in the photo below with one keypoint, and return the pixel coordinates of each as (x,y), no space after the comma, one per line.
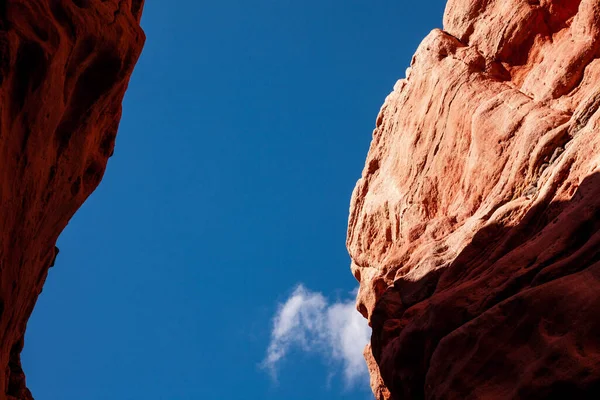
(64,68)
(475,228)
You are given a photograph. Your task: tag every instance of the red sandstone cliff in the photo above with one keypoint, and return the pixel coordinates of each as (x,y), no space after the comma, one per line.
(64,68)
(475,227)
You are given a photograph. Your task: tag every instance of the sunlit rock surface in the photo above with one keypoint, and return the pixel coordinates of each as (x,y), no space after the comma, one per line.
(474,229)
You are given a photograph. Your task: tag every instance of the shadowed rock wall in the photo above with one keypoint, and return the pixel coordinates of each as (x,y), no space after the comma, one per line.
(64,68)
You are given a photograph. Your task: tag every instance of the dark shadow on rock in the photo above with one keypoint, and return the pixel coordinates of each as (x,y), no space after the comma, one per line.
(515,315)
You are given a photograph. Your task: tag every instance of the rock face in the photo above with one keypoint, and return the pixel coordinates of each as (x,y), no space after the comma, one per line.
(64,68)
(475,227)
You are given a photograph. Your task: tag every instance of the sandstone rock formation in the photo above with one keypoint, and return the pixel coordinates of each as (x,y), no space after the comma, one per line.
(64,68)
(475,227)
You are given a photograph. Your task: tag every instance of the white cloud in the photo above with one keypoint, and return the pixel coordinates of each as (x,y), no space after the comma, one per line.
(335,331)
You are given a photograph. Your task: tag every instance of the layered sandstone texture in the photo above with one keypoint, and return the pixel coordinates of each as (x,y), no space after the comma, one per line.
(475,228)
(64,68)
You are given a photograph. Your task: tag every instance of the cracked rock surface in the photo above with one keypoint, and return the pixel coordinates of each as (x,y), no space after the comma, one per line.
(475,228)
(64,68)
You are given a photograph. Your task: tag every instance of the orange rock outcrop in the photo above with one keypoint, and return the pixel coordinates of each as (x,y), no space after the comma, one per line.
(475,228)
(64,68)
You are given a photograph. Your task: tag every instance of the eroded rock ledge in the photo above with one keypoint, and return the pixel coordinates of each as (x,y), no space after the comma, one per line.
(64,68)
(474,229)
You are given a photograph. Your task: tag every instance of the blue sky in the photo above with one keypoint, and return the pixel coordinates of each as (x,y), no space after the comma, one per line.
(245,128)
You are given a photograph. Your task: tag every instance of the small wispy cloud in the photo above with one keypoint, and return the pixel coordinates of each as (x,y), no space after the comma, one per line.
(309,322)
